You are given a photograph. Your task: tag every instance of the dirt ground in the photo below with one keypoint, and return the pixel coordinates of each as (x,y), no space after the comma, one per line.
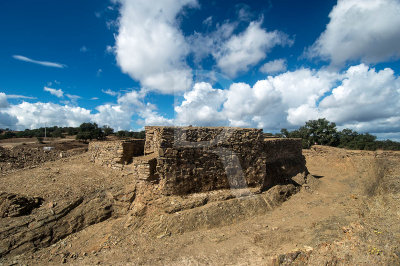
(21,153)
(9,143)
(348,214)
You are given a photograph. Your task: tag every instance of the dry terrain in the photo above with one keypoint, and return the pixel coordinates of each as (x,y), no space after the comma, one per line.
(75,212)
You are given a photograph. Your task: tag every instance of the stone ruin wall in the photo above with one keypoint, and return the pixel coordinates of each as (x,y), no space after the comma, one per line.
(115,154)
(196,159)
(184,160)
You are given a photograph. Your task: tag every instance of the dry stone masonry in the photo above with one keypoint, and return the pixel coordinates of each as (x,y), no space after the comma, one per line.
(115,154)
(184,160)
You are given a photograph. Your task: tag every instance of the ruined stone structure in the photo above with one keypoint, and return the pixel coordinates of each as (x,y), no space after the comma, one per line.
(184,160)
(115,154)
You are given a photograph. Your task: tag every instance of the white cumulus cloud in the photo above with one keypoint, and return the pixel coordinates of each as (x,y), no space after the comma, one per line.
(58,93)
(248,48)
(3,100)
(201,106)
(150,117)
(263,105)
(150,46)
(273,67)
(365,99)
(360,98)
(119,115)
(35,115)
(367,30)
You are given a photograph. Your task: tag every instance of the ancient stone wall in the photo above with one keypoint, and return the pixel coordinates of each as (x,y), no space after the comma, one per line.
(153,141)
(196,159)
(184,160)
(143,168)
(115,154)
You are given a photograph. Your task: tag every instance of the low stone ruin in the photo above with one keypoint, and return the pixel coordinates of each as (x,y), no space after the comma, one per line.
(185,160)
(115,154)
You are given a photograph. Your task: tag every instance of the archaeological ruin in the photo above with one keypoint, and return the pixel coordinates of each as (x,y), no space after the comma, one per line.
(178,179)
(185,160)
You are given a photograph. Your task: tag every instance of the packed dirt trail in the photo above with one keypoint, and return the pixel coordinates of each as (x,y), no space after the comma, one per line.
(347,214)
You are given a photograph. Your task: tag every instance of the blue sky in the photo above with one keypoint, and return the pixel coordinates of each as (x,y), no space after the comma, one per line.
(266,64)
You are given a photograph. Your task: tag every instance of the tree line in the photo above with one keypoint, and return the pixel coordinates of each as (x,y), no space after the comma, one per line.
(93,131)
(323,132)
(86,131)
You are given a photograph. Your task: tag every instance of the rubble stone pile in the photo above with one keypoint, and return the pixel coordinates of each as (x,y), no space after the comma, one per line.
(26,156)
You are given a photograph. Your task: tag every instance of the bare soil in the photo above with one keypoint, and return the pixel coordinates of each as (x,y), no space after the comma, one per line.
(16,154)
(347,214)
(12,142)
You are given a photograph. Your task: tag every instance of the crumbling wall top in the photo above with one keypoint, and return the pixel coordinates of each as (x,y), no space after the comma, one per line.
(158,137)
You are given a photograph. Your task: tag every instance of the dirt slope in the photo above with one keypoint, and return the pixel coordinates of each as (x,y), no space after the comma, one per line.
(348,215)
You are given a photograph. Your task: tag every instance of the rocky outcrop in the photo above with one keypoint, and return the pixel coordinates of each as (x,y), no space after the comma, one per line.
(203,210)
(13,205)
(52,222)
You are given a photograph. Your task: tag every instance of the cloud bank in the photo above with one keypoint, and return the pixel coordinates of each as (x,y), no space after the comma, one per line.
(360,97)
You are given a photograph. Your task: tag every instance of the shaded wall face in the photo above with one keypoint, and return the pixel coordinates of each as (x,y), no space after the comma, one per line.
(281,149)
(284,160)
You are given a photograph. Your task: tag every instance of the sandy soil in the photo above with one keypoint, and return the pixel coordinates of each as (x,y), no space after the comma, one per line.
(348,215)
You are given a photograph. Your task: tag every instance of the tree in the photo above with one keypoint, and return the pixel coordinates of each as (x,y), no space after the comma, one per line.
(89,131)
(347,136)
(57,133)
(108,130)
(321,132)
(9,135)
(285,133)
(121,134)
(72,131)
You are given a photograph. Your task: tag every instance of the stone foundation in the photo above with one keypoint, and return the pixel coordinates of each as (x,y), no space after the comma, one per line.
(185,160)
